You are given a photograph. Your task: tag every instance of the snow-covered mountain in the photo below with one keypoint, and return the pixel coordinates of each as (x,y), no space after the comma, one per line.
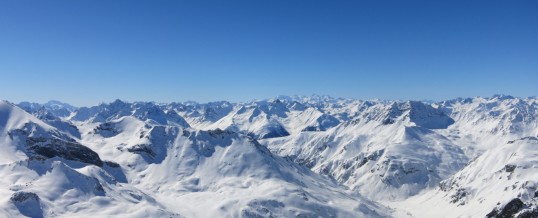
(56,108)
(158,169)
(313,156)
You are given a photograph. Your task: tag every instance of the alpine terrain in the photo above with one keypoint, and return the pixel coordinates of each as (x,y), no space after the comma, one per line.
(290,156)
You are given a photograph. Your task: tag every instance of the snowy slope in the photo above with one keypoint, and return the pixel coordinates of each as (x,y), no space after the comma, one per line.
(502,182)
(312,156)
(185,168)
(159,169)
(390,152)
(481,123)
(47,173)
(12,118)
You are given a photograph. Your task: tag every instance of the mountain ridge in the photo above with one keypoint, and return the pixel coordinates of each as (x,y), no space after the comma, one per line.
(369,158)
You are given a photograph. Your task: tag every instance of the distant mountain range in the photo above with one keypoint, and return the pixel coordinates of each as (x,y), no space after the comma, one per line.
(289,156)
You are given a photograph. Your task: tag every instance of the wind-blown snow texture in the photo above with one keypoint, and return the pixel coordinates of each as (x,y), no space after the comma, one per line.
(290,156)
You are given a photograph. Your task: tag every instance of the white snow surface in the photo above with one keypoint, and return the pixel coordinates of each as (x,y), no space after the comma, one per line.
(290,156)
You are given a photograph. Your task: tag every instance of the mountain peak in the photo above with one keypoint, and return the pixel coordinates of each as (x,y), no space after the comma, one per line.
(502,97)
(13,117)
(58,105)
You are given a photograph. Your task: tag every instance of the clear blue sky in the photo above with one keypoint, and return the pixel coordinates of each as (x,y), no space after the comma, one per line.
(88,51)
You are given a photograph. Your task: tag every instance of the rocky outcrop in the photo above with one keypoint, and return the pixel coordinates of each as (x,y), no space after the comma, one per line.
(28,203)
(50,148)
(509,210)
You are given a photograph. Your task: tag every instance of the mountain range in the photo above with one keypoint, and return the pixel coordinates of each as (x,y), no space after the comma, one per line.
(289,156)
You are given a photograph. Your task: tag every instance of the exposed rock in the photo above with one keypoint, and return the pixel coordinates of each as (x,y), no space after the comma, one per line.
(59,148)
(509,210)
(106,130)
(530,138)
(24,196)
(509,168)
(459,196)
(142,149)
(112,164)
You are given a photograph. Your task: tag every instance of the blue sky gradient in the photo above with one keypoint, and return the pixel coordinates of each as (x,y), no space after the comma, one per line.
(85,52)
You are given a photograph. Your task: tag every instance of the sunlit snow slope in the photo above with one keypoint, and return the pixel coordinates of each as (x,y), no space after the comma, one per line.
(128,162)
(290,156)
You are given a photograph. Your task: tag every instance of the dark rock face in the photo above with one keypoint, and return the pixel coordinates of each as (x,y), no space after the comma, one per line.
(142,149)
(311,129)
(68,150)
(509,168)
(459,196)
(219,132)
(24,196)
(509,210)
(52,143)
(106,130)
(112,164)
(529,138)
